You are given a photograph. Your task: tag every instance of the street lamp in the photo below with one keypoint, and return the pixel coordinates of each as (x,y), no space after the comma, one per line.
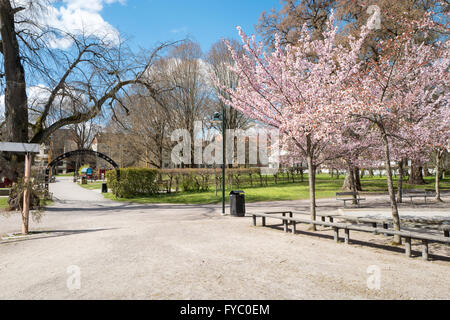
(222,118)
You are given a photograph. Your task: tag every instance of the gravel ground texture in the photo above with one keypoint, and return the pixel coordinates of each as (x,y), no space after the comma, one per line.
(87,247)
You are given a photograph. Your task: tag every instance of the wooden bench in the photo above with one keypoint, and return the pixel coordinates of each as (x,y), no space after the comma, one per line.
(349,196)
(417,193)
(318,215)
(407,235)
(385,222)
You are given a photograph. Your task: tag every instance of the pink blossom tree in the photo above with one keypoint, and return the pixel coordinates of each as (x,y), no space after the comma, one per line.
(290,88)
(398,92)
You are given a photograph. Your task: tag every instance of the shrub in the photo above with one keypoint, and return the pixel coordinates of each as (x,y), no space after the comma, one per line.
(133,182)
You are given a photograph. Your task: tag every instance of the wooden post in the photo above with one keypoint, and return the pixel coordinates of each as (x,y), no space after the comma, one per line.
(347,236)
(26,194)
(294,226)
(425,250)
(336,234)
(408,247)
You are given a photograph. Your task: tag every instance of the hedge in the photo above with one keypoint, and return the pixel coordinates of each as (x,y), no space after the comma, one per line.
(133,182)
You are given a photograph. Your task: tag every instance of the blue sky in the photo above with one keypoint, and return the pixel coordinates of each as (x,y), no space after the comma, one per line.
(150,21)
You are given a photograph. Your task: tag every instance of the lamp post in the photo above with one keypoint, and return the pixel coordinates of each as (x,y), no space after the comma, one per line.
(218,117)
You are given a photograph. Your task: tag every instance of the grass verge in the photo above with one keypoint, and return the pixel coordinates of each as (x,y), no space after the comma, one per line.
(325,188)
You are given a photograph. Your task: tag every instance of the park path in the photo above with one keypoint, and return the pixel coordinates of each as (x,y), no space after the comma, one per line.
(66,191)
(133,251)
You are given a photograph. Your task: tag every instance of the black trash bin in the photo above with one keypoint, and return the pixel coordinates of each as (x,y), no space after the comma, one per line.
(237,203)
(104,187)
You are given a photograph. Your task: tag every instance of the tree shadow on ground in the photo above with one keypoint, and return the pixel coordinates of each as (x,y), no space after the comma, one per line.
(43,234)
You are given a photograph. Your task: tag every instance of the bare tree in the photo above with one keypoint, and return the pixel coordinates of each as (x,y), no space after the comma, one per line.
(94,72)
(148,126)
(288,22)
(190,99)
(219,59)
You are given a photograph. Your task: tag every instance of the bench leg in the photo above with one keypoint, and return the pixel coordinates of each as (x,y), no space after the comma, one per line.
(254,221)
(331,219)
(374,225)
(385,226)
(323,219)
(424,250)
(408,247)
(347,236)
(285,222)
(446,233)
(294,227)
(263,221)
(336,234)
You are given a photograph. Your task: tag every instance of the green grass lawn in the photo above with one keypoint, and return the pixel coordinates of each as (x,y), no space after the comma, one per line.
(70,174)
(325,188)
(3,203)
(92,185)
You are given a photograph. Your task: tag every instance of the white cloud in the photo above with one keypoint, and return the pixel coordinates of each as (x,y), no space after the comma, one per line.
(76,17)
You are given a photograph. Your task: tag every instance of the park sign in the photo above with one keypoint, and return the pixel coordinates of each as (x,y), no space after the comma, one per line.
(19,147)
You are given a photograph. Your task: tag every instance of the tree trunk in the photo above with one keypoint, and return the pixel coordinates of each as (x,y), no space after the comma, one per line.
(438,169)
(352,184)
(371,173)
(312,183)
(387,159)
(16,105)
(357,179)
(312,191)
(352,180)
(416,176)
(400,182)
(347,185)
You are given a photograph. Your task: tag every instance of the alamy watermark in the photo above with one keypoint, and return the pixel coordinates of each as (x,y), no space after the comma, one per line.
(74,280)
(374,279)
(254,146)
(374,21)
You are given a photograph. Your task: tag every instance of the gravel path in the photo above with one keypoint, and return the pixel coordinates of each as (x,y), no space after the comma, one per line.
(192,252)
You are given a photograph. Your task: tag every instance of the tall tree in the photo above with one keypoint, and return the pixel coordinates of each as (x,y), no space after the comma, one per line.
(288,88)
(95,68)
(219,58)
(398,91)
